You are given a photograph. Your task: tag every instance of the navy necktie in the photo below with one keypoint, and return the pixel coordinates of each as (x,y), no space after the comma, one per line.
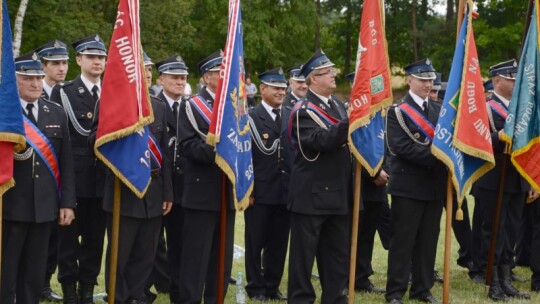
(30,114)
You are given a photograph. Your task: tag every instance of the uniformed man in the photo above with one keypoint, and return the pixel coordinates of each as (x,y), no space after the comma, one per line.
(80,260)
(434,94)
(39,197)
(485,191)
(374,200)
(297,86)
(488,88)
(160,273)
(267,220)
(417,197)
(321,181)
(54,59)
(140,219)
(201,199)
(535,245)
(173,74)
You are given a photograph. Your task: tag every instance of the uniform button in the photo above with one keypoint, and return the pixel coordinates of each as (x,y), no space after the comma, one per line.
(37,163)
(37,176)
(197,179)
(326,188)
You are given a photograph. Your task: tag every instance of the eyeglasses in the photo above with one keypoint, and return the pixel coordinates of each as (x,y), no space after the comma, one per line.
(332,71)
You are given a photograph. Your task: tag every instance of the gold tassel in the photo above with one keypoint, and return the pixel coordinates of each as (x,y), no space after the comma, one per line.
(459,214)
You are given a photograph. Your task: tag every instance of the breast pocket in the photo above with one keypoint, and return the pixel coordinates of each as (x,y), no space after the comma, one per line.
(84,118)
(55,137)
(157,130)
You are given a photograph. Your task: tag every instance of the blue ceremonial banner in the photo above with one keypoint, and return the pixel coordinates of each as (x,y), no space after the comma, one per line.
(522,128)
(462,136)
(11,117)
(368,140)
(229,130)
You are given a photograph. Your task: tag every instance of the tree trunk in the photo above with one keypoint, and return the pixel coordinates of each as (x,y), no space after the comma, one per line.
(18,27)
(449,11)
(414,31)
(348,38)
(318,26)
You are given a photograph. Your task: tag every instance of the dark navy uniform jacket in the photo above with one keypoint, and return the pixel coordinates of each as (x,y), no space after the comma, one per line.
(34,197)
(415,173)
(90,172)
(322,186)
(178,163)
(202,177)
(513,183)
(272,173)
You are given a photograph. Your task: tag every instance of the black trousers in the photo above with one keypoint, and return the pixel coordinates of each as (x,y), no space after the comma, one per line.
(137,244)
(52,255)
(368,223)
(384,225)
(510,219)
(174,222)
(326,238)
(81,260)
(159,277)
(535,245)
(525,238)
(267,232)
(200,254)
(24,259)
(416,232)
(462,232)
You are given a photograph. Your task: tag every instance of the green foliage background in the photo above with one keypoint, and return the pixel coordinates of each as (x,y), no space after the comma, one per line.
(280,32)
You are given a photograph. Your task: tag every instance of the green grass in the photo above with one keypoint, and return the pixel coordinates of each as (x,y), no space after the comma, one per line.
(462,290)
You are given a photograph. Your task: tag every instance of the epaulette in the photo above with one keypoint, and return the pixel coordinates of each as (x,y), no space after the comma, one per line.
(67,83)
(155,97)
(52,102)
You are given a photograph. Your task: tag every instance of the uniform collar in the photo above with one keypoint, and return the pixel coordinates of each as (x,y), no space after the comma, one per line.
(89,85)
(269,109)
(418,100)
(505,101)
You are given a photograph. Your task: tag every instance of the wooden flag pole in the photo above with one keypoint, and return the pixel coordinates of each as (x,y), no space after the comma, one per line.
(113,265)
(448,238)
(449,195)
(354,231)
(222,241)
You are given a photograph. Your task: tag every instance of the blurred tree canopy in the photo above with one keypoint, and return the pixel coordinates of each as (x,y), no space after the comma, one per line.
(282,32)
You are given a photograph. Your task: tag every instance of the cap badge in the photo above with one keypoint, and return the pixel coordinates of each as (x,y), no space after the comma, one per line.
(34,57)
(56,44)
(178,58)
(428,61)
(97,38)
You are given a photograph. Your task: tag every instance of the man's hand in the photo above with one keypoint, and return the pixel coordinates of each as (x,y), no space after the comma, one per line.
(65,216)
(533,194)
(251,200)
(167,207)
(382,178)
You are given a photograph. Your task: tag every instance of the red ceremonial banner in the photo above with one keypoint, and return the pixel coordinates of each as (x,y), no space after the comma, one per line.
(472,133)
